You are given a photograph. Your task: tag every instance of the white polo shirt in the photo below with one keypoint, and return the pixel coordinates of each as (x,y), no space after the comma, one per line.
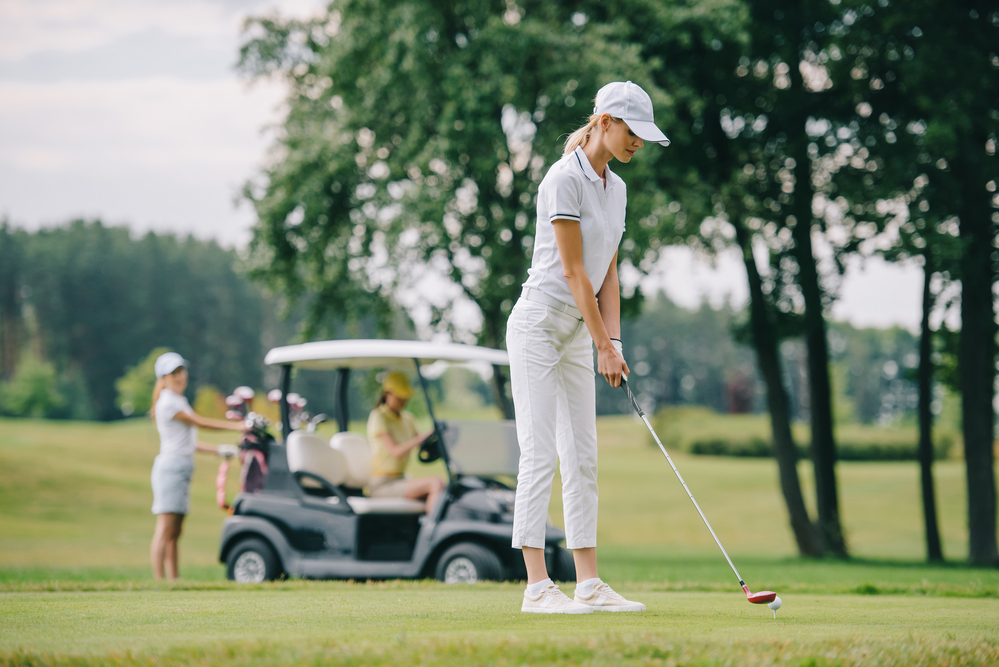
(176,437)
(572,190)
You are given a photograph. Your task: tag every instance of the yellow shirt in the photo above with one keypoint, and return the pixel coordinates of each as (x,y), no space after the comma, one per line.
(401,427)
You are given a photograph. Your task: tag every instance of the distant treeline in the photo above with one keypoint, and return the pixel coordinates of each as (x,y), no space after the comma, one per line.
(81,304)
(684,357)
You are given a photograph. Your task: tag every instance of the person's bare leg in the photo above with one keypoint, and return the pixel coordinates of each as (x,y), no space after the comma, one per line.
(429,488)
(156,546)
(436,490)
(586,563)
(534,559)
(170,560)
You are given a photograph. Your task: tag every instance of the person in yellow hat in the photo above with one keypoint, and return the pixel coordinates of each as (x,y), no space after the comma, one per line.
(393,435)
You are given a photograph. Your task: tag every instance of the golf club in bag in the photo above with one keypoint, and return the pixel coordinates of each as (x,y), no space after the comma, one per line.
(768,598)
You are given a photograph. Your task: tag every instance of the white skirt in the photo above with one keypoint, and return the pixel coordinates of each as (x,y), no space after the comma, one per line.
(171,480)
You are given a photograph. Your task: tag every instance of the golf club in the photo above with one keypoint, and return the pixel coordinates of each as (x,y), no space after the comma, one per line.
(768,598)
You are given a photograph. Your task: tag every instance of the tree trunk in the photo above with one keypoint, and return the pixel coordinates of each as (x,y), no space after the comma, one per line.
(820,394)
(925,381)
(976,365)
(11,325)
(768,358)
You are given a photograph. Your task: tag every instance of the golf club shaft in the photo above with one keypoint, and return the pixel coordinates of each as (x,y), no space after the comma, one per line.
(641,413)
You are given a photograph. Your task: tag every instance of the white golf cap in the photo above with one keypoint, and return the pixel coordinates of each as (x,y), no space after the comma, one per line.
(627,101)
(168,362)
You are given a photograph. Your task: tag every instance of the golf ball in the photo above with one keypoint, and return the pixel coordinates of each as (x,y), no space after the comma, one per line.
(775,605)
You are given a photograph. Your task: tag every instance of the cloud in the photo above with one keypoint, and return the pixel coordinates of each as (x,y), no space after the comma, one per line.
(150,53)
(31,26)
(162,153)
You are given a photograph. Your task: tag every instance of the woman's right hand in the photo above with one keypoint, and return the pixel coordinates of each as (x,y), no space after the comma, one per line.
(611,364)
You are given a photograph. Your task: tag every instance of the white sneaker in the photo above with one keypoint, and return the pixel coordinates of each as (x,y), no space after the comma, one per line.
(553,601)
(603,598)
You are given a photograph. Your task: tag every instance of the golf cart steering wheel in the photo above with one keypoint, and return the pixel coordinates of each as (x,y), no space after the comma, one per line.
(430,449)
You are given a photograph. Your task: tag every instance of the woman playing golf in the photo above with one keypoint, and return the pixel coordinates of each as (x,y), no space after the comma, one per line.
(570,301)
(393,435)
(178,426)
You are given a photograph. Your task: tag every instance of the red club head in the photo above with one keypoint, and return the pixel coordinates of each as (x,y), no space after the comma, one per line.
(763,597)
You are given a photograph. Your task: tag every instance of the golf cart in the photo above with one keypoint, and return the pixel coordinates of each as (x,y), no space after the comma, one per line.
(311,518)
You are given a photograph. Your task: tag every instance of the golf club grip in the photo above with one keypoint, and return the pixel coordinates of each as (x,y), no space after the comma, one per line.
(641,413)
(634,401)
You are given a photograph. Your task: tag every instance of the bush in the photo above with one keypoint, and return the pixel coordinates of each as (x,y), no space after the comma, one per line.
(135,387)
(33,391)
(702,431)
(209,402)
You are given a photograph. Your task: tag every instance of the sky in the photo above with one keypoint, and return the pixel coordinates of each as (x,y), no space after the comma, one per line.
(130,111)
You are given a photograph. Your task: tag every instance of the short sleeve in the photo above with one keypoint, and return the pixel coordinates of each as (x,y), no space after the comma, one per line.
(565,197)
(169,405)
(376,424)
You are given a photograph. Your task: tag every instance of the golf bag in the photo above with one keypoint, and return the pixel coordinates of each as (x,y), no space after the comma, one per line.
(254,448)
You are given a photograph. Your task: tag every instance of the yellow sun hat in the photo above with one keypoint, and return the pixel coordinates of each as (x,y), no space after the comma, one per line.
(397,384)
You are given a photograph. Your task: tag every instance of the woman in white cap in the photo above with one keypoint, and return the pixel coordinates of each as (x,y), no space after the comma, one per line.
(178,426)
(570,301)
(393,435)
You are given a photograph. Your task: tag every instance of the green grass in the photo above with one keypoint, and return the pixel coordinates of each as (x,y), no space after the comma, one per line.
(75,586)
(430,624)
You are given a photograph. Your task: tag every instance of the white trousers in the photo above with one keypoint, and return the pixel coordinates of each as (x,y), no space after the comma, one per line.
(551,376)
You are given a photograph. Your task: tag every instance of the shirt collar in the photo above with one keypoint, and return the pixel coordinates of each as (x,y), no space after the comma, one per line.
(584,164)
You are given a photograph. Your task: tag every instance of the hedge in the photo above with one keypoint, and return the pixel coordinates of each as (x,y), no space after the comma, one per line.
(701,431)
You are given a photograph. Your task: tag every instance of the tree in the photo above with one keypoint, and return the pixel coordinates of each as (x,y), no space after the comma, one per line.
(743,108)
(763,324)
(33,391)
(135,387)
(101,300)
(416,143)
(927,81)
(11,282)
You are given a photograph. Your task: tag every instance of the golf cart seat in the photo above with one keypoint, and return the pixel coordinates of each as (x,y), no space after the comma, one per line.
(307,452)
(357,456)
(311,454)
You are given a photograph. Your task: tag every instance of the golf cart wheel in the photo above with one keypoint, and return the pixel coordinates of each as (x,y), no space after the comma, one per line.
(252,561)
(467,563)
(565,565)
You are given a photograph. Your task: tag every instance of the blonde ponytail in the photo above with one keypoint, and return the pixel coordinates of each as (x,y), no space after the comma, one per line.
(580,136)
(157,388)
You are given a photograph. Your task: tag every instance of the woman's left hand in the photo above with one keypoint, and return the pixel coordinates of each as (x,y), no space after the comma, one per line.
(611,365)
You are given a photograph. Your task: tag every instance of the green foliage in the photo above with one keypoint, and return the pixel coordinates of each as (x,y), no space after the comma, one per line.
(33,391)
(135,387)
(680,356)
(416,143)
(98,300)
(699,430)
(210,402)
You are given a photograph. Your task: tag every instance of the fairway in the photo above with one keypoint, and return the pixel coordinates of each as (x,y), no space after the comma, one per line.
(75,585)
(429,624)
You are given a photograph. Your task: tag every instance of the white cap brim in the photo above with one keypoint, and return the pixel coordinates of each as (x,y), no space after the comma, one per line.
(647,131)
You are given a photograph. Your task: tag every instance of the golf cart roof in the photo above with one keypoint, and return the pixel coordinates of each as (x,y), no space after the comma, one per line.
(333,354)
